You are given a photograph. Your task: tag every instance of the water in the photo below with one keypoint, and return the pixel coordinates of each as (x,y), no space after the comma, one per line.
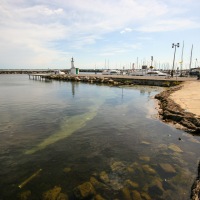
(63,134)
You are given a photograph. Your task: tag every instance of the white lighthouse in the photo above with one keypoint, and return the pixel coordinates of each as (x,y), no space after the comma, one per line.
(73,69)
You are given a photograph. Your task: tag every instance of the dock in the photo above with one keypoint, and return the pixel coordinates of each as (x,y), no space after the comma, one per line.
(115,79)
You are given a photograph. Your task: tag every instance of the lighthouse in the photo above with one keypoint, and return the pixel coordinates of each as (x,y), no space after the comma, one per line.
(73,69)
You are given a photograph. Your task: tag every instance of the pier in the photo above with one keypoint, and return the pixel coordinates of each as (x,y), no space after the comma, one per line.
(116,79)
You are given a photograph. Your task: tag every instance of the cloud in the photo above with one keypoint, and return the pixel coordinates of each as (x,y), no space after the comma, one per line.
(169,25)
(126,30)
(49,30)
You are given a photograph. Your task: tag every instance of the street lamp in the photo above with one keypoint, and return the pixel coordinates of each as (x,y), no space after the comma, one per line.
(174,46)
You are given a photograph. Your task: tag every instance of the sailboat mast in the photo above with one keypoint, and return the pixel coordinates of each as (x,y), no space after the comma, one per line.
(191,58)
(182,58)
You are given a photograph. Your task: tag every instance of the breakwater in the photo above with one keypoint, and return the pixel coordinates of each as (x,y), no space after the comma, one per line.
(37,71)
(111,80)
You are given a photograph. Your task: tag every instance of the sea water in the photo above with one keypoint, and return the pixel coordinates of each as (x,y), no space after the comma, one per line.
(56,136)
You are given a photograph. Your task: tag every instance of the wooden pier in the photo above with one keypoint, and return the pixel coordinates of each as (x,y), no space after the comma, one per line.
(39,76)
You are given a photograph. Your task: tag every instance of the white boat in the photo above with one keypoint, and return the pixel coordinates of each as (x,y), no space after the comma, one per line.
(110,72)
(138,73)
(59,72)
(156,73)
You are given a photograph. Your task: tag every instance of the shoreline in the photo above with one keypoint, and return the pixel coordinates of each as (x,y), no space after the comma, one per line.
(171,111)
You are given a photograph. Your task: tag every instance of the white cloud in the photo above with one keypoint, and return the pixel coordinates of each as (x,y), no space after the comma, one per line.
(45,28)
(169,25)
(126,30)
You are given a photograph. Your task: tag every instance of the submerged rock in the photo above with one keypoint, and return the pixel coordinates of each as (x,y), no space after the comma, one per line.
(144,158)
(156,188)
(118,167)
(55,194)
(84,191)
(126,194)
(98,197)
(130,184)
(104,177)
(175,148)
(67,169)
(167,168)
(145,196)
(136,195)
(147,169)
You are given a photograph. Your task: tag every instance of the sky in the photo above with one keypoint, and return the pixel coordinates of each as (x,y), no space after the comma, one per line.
(98,34)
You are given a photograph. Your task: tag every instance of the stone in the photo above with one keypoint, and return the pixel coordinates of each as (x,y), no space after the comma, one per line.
(54,194)
(136,195)
(126,194)
(83,191)
(156,188)
(118,166)
(67,169)
(145,196)
(167,168)
(144,158)
(130,170)
(131,184)
(147,169)
(175,148)
(98,197)
(104,177)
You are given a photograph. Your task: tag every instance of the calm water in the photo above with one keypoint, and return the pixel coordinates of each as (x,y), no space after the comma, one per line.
(63,134)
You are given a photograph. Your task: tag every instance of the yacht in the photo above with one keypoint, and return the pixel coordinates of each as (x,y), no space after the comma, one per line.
(110,72)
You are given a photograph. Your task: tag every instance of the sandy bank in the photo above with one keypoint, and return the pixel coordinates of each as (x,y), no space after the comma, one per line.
(181,106)
(188,97)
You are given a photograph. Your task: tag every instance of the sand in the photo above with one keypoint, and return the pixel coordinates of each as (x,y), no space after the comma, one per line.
(188,97)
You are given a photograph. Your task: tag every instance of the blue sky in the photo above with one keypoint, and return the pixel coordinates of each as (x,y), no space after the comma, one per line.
(98,33)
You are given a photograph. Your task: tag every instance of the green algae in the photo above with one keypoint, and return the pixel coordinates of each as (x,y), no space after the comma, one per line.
(68,127)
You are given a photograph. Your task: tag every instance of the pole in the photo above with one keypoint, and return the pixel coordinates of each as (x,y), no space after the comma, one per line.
(174,57)
(182,59)
(191,57)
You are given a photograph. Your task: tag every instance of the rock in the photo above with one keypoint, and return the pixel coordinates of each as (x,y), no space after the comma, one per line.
(136,195)
(195,191)
(115,184)
(67,169)
(55,194)
(62,196)
(147,169)
(167,168)
(145,196)
(156,188)
(126,194)
(175,148)
(131,184)
(84,191)
(130,169)
(104,177)
(144,158)
(98,197)
(118,167)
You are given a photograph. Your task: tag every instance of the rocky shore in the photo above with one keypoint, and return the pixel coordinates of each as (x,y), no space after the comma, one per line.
(171,112)
(175,113)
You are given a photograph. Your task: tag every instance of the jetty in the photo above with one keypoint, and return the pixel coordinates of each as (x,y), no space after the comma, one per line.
(115,79)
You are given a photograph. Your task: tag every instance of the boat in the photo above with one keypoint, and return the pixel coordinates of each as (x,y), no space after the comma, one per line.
(156,73)
(110,72)
(59,72)
(138,73)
